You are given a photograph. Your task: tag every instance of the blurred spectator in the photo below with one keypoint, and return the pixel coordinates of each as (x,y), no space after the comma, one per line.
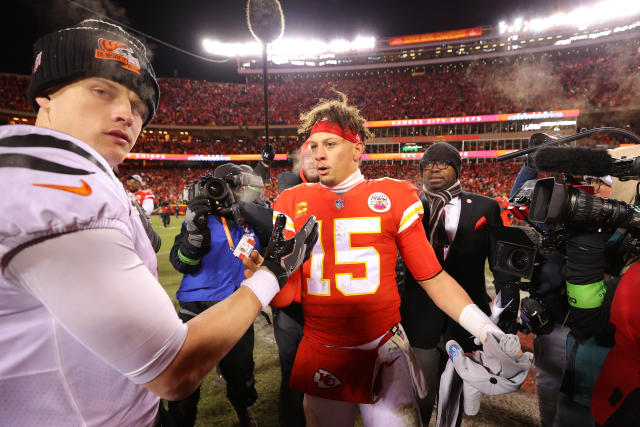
(489,178)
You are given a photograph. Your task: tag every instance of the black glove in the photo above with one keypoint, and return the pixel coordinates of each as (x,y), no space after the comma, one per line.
(268,154)
(283,257)
(535,317)
(196,219)
(509,289)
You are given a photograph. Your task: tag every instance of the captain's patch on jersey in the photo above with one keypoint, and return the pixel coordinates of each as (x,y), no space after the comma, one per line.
(379,202)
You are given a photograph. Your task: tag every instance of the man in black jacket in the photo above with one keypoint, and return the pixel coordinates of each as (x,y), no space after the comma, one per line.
(454,222)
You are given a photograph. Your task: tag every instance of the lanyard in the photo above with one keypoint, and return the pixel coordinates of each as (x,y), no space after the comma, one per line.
(226,231)
(228,234)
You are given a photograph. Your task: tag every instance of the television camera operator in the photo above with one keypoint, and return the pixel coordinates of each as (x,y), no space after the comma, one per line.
(208,251)
(550,305)
(581,246)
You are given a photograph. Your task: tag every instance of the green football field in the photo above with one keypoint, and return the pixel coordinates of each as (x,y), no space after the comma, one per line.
(519,408)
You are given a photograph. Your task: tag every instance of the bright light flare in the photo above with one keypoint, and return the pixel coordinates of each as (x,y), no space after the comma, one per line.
(581,18)
(232,49)
(287,49)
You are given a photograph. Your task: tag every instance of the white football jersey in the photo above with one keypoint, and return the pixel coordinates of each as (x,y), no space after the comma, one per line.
(53,184)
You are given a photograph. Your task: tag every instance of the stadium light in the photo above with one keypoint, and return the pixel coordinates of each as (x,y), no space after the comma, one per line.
(581,18)
(289,49)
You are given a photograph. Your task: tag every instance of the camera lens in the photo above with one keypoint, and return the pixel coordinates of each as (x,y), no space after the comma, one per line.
(519,260)
(216,189)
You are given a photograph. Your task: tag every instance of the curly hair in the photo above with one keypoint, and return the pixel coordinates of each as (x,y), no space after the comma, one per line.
(335,110)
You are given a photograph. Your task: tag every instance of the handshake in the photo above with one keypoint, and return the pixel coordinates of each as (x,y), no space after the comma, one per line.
(282,257)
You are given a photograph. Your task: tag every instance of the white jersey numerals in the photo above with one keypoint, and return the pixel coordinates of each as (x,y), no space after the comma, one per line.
(345,254)
(316,285)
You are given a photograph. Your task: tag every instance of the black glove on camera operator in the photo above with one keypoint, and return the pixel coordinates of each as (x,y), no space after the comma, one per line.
(546,306)
(268,154)
(588,295)
(228,198)
(509,294)
(189,249)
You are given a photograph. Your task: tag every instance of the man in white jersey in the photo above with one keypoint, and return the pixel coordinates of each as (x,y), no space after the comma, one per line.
(88,335)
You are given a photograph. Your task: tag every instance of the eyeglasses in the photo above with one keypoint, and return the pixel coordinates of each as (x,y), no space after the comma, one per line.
(440,164)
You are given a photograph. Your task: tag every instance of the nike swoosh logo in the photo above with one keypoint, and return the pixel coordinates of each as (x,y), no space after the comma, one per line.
(391,362)
(83,190)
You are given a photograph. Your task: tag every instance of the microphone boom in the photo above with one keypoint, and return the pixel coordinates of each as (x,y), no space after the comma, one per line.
(265,20)
(574,160)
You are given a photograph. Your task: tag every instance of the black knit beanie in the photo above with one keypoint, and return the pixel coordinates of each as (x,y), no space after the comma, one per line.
(93,48)
(441,151)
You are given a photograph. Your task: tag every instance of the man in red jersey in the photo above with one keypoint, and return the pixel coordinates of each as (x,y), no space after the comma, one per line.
(354,353)
(144,197)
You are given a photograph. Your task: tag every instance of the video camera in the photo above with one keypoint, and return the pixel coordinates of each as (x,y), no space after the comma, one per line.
(551,206)
(222,193)
(560,207)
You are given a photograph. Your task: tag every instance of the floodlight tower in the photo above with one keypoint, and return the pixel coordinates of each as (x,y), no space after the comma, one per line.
(266,24)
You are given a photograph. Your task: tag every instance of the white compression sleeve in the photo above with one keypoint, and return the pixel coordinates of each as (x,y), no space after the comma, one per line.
(147,205)
(95,285)
(264,284)
(477,322)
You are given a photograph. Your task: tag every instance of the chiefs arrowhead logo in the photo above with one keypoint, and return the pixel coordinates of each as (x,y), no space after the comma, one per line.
(325,379)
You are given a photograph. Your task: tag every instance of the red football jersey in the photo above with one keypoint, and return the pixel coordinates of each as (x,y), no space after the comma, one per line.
(143,195)
(348,288)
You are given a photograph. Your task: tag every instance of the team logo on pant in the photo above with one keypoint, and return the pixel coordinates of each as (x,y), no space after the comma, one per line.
(325,379)
(379,202)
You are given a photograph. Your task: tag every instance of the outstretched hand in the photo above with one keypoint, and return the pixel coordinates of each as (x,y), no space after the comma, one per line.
(284,256)
(252,263)
(501,367)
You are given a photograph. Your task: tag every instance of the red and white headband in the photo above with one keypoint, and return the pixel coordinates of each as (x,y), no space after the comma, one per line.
(325,125)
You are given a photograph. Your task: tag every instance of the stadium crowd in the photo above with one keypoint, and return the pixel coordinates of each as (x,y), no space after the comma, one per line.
(596,77)
(186,144)
(480,87)
(167,183)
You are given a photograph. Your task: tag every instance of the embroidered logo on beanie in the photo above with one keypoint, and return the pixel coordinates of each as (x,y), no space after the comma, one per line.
(116,51)
(93,48)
